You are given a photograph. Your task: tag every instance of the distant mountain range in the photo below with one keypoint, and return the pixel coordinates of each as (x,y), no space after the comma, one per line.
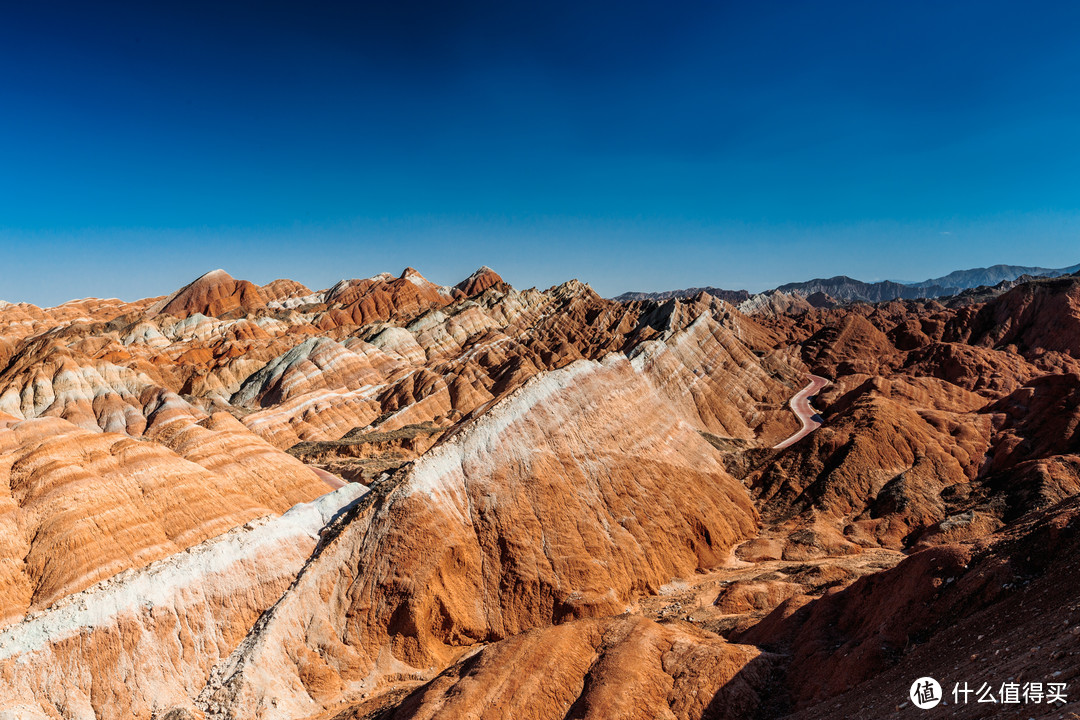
(731,296)
(845,289)
(964,279)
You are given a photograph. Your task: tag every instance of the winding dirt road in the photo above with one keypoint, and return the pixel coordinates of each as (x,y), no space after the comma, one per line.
(800,405)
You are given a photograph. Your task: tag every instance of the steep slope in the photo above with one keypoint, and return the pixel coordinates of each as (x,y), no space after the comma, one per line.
(981,612)
(479,281)
(851,345)
(710,375)
(573,500)
(1037,319)
(283,290)
(79,506)
(357,302)
(876,471)
(775,302)
(143,643)
(567,499)
(214,294)
(451,360)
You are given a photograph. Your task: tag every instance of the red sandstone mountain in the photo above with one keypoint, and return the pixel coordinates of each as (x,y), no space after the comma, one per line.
(574,509)
(215,293)
(479,281)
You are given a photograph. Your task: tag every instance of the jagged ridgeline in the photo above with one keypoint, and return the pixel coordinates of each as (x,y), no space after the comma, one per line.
(396,499)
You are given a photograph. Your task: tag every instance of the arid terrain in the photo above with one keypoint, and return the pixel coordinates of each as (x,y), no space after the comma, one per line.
(392,499)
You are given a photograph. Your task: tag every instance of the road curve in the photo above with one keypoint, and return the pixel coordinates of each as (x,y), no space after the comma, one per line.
(800,405)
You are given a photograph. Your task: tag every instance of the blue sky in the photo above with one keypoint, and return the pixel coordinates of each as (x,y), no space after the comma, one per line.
(637,146)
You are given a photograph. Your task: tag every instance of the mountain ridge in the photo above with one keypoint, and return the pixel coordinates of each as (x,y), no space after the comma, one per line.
(399,499)
(842,288)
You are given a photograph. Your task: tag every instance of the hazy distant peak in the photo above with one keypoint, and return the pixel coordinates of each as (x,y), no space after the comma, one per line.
(975,277)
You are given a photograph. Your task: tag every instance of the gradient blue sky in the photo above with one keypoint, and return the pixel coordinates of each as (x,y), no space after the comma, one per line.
(637,146)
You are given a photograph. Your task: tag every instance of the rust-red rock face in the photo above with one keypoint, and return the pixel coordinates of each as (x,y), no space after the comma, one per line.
(214,294)
(479,281)
(397,499)
(555,504)
(626,667)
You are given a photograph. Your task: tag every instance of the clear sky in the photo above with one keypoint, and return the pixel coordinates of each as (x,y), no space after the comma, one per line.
(634,145)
